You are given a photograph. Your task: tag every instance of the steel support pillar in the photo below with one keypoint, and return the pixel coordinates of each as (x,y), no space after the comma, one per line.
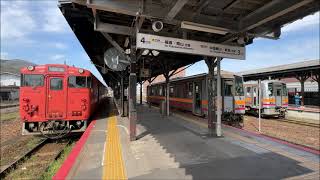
(219,99)
(211,64)
(168,96)
(302,78)
(132,102)
(140,93)
(302,92)
(122,96)
(259,98)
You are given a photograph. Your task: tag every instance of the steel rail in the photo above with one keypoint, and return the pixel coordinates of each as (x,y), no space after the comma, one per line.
(14,164)
(299,122)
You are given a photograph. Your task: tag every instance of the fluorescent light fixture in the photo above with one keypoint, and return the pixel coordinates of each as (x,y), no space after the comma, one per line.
(203,28)
(155,53)
(127,51)
(145,52)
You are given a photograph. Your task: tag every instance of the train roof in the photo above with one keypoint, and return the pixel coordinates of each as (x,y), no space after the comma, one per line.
(45,69)
(224,74)
(282,71)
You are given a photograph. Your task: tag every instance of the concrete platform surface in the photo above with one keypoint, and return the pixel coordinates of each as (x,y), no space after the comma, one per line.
(179,148)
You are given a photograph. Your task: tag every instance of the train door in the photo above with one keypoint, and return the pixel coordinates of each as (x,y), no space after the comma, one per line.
(227,96)
(56,97)
(197,108)
(278,90)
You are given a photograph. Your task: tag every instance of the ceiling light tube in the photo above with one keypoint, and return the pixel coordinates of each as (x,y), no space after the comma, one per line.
(203,28)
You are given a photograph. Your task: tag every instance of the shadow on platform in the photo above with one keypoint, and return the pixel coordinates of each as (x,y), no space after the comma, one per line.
(207,158)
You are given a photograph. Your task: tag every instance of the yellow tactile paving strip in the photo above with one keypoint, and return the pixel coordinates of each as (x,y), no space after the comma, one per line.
(113,162)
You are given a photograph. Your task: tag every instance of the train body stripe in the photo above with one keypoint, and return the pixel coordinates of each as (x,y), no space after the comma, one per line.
(185,100)
(240,102)
(269,100)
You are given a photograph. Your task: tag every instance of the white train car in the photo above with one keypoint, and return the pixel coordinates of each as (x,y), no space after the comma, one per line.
(274,98)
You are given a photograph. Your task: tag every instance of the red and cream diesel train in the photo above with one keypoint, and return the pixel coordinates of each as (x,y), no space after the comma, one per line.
(57,99)
(190,94)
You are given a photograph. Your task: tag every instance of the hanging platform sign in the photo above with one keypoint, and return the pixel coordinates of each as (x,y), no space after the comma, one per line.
(148,41)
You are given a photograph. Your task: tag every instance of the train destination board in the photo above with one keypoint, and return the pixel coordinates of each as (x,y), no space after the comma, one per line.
(148,41)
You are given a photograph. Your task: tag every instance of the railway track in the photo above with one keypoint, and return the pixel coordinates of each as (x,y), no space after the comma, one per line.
(293,121)
(300,122)
(36,161)
(8,106)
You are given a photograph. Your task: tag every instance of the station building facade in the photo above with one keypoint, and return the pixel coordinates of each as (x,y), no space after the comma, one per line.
(9,83)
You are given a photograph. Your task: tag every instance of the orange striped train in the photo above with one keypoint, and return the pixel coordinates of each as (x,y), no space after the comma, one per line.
(274,98)
(190,94)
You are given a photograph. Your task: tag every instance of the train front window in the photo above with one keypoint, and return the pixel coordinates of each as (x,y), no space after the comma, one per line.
(32,80)
(56,84)
(78,82)
(270,89)
(228,88)
(238,86)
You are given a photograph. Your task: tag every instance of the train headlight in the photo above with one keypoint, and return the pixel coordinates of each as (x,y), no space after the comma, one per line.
(30,68)
(81,71)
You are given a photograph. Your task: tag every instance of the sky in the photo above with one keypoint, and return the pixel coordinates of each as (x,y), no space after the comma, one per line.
(36,31)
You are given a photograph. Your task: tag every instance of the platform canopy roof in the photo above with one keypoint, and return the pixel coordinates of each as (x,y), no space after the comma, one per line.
(232,22)
(304,68)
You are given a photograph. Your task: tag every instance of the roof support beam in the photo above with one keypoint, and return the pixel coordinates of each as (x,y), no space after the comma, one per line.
(115,44)
(269,12)
(111,28)
(175,9)
(266,13)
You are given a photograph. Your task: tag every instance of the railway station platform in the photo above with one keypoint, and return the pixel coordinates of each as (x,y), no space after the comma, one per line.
(309,114)
(180,148)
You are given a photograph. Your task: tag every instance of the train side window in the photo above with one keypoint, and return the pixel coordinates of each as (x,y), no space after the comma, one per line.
(77,81)
(171,91)
(56,84)
(89,82)
(32,80)
(190,89)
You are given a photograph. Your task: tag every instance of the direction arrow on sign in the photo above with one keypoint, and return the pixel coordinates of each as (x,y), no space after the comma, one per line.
(148,41)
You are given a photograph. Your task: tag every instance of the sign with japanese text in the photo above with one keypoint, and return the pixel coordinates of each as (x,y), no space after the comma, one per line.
(148,41)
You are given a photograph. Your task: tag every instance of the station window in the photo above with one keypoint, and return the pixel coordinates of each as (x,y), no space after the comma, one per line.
(56,84)
(79,82)
(32,80)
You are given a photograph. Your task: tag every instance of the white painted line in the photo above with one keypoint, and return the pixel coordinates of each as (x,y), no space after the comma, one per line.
(103,153)
(124,128)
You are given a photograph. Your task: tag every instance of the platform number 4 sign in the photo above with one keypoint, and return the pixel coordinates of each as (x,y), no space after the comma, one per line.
(142,40)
